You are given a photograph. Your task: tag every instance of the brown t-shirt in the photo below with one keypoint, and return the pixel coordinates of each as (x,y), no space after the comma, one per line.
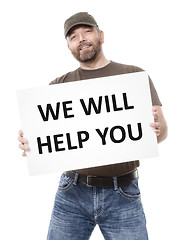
(111,69)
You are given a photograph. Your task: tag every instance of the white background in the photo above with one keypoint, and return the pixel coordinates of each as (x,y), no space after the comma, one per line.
(33,52)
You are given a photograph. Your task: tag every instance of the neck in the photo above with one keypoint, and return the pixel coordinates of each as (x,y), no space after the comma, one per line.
(99,62)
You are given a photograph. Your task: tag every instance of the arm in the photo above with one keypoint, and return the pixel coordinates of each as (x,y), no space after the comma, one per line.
(159,125)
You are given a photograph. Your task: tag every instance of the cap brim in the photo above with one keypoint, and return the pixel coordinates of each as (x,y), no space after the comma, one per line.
(79,23)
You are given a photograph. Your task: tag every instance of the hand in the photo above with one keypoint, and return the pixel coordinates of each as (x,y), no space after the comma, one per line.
(23,143)
(156,124)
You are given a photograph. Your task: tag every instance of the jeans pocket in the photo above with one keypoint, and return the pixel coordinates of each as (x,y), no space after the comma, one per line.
(132,191)
(65,183)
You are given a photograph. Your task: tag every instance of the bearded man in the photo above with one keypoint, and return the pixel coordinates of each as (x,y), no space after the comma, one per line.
(107,195)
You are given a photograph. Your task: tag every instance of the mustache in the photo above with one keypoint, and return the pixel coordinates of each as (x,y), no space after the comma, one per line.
(84,44)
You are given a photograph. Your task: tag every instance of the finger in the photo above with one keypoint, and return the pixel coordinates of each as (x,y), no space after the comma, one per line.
(24,154)
(154,109)
(155,125)
(21,133)
(24,147)
(156,128)
(157,132)
(156,116)
(22,140)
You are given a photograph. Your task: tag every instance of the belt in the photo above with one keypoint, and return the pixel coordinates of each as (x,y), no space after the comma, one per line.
(96,181)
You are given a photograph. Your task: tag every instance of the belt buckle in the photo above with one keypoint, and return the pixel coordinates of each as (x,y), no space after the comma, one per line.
(88,180)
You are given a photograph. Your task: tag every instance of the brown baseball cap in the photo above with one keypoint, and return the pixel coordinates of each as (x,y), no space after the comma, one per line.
(79,18)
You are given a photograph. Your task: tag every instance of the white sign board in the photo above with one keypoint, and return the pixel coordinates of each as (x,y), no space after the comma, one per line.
(88,123)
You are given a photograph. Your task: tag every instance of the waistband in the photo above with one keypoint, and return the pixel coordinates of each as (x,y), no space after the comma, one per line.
(96,181)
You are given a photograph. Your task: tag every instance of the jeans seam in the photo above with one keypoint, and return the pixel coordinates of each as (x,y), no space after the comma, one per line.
(70,184)
(134,197)
(102,209)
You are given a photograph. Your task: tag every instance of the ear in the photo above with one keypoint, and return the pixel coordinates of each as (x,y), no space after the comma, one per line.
(68,44)
(101,36)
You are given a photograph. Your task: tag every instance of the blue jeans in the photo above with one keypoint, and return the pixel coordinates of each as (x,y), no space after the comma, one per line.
(78,208)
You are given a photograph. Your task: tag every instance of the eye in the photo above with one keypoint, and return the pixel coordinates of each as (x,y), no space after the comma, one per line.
(72,37)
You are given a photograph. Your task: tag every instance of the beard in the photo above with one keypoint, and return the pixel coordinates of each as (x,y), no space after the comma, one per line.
(89,54)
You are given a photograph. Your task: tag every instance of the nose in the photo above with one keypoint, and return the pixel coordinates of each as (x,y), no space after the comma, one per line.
(82,38)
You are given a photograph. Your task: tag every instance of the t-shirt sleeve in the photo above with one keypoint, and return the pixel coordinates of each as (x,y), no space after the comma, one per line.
(56,81)
(68,77)
(154,95)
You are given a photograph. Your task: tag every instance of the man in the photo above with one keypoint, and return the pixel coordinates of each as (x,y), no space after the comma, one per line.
(108,195)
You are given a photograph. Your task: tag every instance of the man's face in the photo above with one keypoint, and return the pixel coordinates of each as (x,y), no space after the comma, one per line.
(85,43)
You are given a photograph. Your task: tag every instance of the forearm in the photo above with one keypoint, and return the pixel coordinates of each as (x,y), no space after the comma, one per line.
(163,129)
(163,132)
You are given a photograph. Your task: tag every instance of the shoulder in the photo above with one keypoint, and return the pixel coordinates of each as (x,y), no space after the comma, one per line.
(68,77)
(125,68)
